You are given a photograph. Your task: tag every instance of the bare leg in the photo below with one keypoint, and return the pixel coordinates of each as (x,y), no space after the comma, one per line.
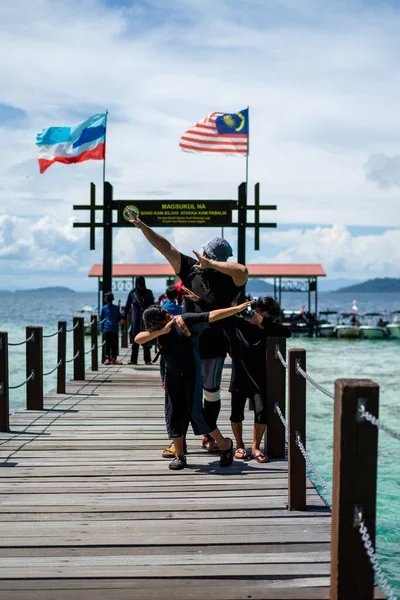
(178,444)
(237,430)
(223,442)
(258,433)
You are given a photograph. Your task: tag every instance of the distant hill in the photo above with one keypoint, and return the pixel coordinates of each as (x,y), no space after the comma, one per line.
(258,285)
(380,284)
(50,290)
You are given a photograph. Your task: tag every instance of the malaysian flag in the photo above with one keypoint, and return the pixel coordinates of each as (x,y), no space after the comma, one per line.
(219,133)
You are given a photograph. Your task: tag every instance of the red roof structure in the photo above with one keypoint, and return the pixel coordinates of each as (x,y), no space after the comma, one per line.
(255,270)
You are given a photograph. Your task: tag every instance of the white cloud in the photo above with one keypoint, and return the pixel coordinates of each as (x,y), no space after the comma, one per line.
(321,84)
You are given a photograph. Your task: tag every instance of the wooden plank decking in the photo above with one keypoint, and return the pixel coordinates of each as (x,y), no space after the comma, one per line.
(89,509)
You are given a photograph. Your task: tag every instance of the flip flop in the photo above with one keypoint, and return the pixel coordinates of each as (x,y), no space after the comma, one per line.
(260,457)
(241,454)
(210,445)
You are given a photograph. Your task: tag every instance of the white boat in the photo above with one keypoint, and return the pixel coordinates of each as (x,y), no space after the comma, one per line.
(325,327)
(373,332)
(87,312)
(350,330)
(394,326)
(326,330)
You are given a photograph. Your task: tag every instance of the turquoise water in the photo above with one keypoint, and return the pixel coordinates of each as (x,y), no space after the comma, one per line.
(327,360)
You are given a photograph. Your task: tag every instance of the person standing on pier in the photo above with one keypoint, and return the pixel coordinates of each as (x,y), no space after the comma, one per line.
(176,339)
(215,283)
(248,377)
(138,299)
(109,318)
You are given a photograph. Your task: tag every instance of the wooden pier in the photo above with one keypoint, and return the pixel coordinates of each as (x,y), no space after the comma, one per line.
(89,509)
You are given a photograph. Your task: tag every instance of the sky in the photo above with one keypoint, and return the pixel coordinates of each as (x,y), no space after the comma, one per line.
(322,83)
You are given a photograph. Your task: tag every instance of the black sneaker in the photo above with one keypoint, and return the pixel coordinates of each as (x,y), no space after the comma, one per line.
(178,463)
(226,456)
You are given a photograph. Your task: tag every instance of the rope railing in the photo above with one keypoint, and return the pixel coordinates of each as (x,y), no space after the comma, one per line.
(72,328)
(364,414)
(50,335)
(371,553)
(73,358)
(55,369)
(29,339)
(102,321)
(15,387)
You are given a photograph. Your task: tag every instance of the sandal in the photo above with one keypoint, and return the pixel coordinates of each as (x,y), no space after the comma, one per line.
(260,457)
(226,456)
(241,454)
(210,445)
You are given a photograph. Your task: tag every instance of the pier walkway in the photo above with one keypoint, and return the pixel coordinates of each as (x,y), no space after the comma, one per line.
(89,509)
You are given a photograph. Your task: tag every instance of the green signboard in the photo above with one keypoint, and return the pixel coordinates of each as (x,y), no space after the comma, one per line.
(178,213)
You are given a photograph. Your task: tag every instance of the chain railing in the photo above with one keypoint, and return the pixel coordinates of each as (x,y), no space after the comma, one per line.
(306,457)
(279,355)
(318,386)
(90,349)
(72,328)
(73,358)
(55,369)
(364,414)
(314,470)
(29,339)
(15,387)
(372,557)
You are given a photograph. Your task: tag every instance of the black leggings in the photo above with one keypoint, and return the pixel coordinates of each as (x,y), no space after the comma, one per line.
(238,404)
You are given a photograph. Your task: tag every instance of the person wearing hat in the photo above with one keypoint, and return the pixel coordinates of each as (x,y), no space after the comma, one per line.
(211,282)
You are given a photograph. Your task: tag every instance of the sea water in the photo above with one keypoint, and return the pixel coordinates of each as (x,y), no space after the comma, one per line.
(327,360)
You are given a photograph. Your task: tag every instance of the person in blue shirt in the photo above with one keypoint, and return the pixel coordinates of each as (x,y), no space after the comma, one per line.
(171,304)
(109,319)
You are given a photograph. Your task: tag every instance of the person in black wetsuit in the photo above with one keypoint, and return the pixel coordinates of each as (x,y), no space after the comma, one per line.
(215,283)
(176,338)
(248,350)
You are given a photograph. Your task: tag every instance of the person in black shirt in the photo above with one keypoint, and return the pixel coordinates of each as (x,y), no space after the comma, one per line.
(138,299)
(211,283)
(176,339)
(248,378)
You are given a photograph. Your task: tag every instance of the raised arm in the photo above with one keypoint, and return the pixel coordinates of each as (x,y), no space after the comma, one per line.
(224,313)
(160,243)
(239,273)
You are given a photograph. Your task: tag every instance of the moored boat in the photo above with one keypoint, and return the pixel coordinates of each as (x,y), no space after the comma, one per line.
(373,332)
(325,327)
(394,326)
(348,330)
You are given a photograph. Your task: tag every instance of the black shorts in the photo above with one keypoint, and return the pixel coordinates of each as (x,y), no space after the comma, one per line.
(238,404)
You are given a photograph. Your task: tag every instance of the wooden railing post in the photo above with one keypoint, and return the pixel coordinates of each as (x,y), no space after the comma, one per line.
(4,393)
(355,453)
(94,333)
(276,392)
(34,364)
(79,347)
(61,355)
(296,427)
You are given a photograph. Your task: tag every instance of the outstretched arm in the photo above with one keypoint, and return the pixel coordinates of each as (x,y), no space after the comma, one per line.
(147,336)
(223,313)
(161,244)
(239,273)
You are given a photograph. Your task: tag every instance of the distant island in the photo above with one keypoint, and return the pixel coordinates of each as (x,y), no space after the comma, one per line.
(258,285)
(380,284)
(49,290)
